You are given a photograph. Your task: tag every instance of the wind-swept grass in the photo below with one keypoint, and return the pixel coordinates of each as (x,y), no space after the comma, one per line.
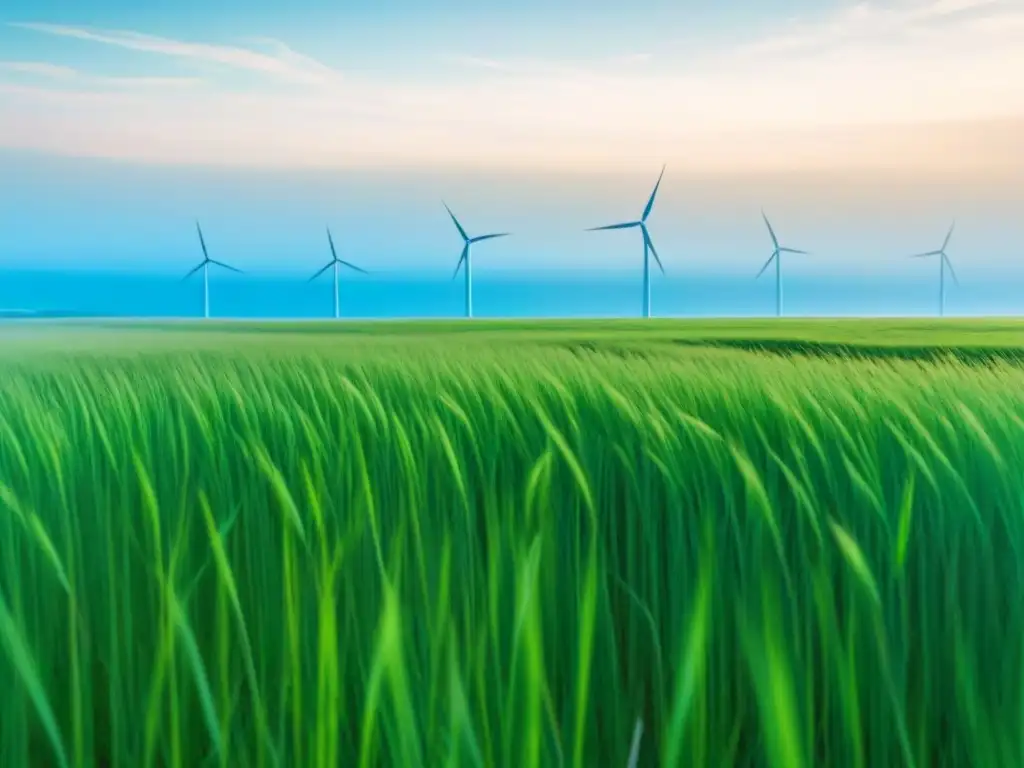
(429,554)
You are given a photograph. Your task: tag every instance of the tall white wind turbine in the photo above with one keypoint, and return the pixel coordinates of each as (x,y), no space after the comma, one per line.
(777,251)
(944,262)
(337,264)
(467,243)
(205,266)
(648,244)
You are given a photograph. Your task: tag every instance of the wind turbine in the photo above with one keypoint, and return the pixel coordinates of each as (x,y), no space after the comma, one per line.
(205,266)
(777,251)
(943,263)
(337,264)
(648,244)
(467,242)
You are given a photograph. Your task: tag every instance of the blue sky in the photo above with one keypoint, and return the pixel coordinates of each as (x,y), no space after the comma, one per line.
(863,129)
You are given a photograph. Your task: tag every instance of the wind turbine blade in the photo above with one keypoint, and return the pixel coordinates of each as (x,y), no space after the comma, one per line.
(766,265)
(457,225)
(226,266)
(334,254)
(650,244)
(650,202)
(350,265)
(320,271)
(775,240)
(948,235)
(657,258)
(462,258)
(202,241)
(923,255)
(952,271)
(194,269)
(488,237)
(794,250)
(627,225)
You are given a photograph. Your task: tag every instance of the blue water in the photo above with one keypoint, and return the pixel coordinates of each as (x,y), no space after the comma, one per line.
(494,295)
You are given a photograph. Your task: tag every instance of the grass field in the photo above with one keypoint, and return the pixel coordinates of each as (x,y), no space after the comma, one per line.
(786,543)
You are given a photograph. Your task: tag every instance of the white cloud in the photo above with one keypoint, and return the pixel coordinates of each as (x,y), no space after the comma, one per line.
(41,68)
(284,62)
(867,23)
(917,84)
(72,76)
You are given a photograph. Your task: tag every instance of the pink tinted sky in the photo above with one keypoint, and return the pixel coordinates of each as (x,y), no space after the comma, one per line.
(915,85)
(865,128)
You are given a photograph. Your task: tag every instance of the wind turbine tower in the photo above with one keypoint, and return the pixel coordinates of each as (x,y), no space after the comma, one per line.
(944,262)
(648,244)
(205,266)
(467,243)
(777,251)
(337,264)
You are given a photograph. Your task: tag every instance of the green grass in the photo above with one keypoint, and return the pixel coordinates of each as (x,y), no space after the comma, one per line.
(521,545)
(958,332)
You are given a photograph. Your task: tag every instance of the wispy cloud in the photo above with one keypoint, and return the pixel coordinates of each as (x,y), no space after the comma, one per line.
(481,62)
(73,77)
(549,67)
(922,83)
(41,68)
(878,25)
(526,67)
(283,62)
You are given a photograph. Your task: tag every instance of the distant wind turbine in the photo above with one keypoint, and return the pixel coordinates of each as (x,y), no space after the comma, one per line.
(337,264)
(943,263)
(205,266)
(466,256)
(777,251)
(648,244)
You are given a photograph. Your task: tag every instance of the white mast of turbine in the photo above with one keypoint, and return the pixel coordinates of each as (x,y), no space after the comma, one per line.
(777,251)
(466,256)
(648,244)
(943,263)
(337,264)
(205,266)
